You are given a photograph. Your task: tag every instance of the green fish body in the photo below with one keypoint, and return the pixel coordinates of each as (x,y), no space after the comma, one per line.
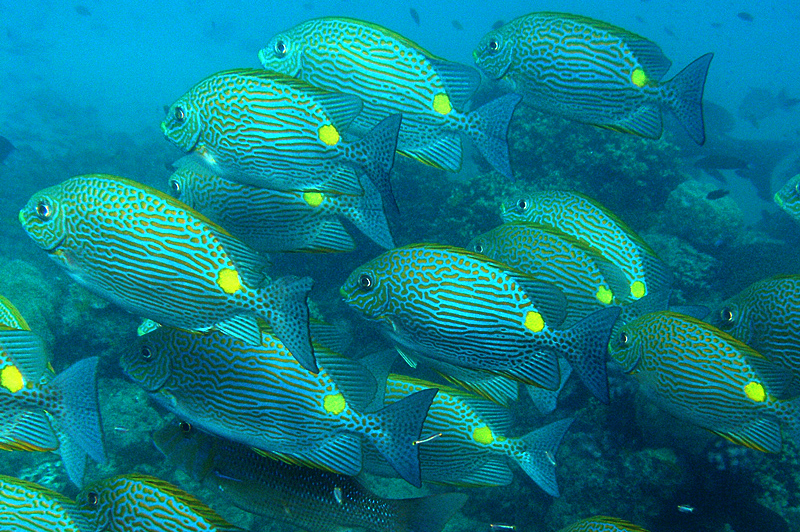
(262,397)
(391,74)
(156,257)
(458,307)
(146,504)
(788,197)
(281,220)
(602,523)
(267,130)
(597,228)
(29,507)
(704,376)
(766,317)
(592,72)
(307,498)
(465,440)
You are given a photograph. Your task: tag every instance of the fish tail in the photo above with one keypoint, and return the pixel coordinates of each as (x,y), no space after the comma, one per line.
(370,218)
(545,400)
(401,425)
(74,458)
(588,354)
(375,152)
(537,455)
(490,131)
(685,96)
(427,514)
(289,317)
(79,412)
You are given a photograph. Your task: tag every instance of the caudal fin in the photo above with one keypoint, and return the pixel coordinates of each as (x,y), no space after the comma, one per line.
(368,216)
(289,317)
(78,414)
(538,454)
(402,426)
(545,400)
(685,96)
(375,153)
(588,352)
(427,514)
(489,131)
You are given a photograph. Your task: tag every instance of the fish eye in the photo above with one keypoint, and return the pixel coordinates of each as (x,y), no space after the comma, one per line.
(623,338)
(493,45)
(522,205)
(478,248)
(365,281)
(797,188)
(726,315)
(43,210)
(147,353)
(92,498)
(280,48)
(175,188)
(185,427)
(180,115)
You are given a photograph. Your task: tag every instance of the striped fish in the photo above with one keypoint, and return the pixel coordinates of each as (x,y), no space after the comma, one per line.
(260,396)
(766,317)
(788,197)
(465,440)
(391,74)
(308,499)
(10,317)
(146,504)
(592,72)
(598,228)
(704,376)
(267,130)
(156,257)
(459,307)
(602,523)
(276,220)
(29,507)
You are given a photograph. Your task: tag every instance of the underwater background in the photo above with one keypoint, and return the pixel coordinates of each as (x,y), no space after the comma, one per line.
(84,87)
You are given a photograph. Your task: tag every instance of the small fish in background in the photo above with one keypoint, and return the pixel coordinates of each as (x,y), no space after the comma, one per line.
(82,10)
(602,523)
(744,15)
(457,25)
(760,103)
(717,194)
(716,161)
(668,31)
(788,197)
(685,509)
(498,24)
(414,15)
(5,148)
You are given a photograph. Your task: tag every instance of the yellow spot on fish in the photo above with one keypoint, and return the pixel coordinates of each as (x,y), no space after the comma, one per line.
(11,379)
(483,435)
(638,290)
(534,322)
(329,135)
(604,295)
(441,104)
(755,391)
(334,404)
(639,78)
(229,281)
(312,198)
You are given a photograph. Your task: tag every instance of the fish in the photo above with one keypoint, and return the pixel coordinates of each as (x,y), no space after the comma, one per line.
(744,15)
(588,281)
(155,257)
(208,379)
(592,72)
(497,24)
(590,222)
(788,197)
(145,503)
(29,507)
(5,148)
(685,508)
(309,499)
(264,129)
(766,317)
(716,161)
(602,523)
(457,25)
(82,10)
(717,194)
(760,103)
(706,377)
(468,441)
(391,74)
(278,220)
(414,15)
(459,307)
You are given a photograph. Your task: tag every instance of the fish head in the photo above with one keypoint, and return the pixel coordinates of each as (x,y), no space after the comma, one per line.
(95,505)
(284,52)
(46,219)
(148,361)
(495,53)
(625,346)
(517,211)
(368,289)
(788,197)
(190,176)
(484,244)
(183,124)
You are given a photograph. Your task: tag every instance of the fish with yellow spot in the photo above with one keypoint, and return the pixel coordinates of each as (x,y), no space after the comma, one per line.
(465,440)
(455,306)
(391,74)
(268,130)
(592,72)
(262,397)
(281,220)
(586,220)
(156,257)
(29,507)
(702,375)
